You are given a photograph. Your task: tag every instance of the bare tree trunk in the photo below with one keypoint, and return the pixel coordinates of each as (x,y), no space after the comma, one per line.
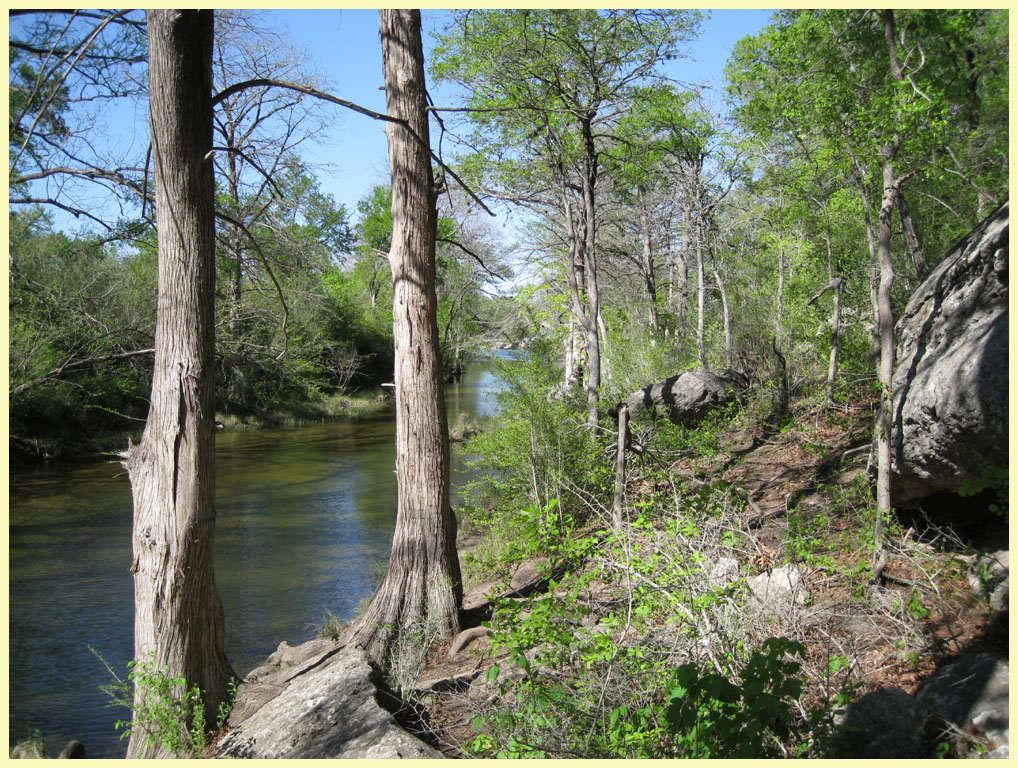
(422,585)
(832,367)
(593,309)
(576,278)
(885,368)
(724,315)
(178,615)
(647,268)
(572,373)
(701,295)
(781,285)
(620,466)
(871,244)
(908,228)
(682,264)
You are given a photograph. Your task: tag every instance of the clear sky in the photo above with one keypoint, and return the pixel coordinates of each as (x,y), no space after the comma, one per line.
(345,45)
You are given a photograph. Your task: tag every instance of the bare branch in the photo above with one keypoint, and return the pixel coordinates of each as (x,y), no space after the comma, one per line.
(59,370)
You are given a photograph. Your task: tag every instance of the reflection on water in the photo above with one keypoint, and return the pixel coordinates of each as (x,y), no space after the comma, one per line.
(303,513)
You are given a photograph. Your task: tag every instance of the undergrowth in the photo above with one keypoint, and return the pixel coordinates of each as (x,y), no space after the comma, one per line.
(168,713)
(650,639)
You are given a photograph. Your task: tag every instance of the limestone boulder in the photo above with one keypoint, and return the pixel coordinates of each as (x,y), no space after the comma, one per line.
(950,413)
(329,709)
(687,398)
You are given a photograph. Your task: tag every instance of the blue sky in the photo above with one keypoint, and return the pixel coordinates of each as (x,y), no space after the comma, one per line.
(345,45)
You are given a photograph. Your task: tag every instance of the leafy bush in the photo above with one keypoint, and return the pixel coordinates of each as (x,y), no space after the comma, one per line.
(536,450)
(710,716)
(170,713)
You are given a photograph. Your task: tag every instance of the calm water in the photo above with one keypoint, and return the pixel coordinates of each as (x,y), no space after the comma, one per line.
(303,516)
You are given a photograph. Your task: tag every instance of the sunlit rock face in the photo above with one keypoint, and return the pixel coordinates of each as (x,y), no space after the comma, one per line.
(950,377)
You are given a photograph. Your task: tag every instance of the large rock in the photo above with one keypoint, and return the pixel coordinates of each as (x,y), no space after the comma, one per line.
(688,397)
(950,379)
(330,709)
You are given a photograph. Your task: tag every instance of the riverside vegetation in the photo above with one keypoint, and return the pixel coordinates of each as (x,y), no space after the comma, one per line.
(776,230)
(656,639)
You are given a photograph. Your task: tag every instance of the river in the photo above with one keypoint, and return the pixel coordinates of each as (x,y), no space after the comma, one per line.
(304,523)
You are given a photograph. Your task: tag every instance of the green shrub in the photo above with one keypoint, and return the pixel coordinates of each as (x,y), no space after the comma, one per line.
(710,716)
(170,713)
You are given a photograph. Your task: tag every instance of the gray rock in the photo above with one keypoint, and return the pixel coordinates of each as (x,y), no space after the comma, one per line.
(725,570)
(887,723)
(329,710)
(687,398)
(951,375)
(775,593)
(972,694)
(27,750)
(989,576)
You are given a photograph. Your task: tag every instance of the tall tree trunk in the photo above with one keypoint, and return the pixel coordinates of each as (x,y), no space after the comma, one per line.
(781,286)
(681,266)
(911,237)
(575,277)
(885,368)
(178,615)
(832,367)
(647,267)
(885,325)
(871,244)
(593,309)
(726,318)
(422,587)
(701,296)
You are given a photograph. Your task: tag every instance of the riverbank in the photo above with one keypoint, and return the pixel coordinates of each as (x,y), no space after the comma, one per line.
(339,406)
(749,538)
(26,452)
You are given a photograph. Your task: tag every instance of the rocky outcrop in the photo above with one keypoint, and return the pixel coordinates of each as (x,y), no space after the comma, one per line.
(950,379)
(327,705)
(688,397)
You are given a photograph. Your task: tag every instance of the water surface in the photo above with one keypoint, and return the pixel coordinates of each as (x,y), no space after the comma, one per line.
(304,522)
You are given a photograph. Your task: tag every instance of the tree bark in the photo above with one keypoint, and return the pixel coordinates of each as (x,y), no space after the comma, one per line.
(421,588)
(832,367)
(620,467)
(701,295)
(647,268)
(911,237)
(593,308)
(178,615)
(725,316)
(885,368)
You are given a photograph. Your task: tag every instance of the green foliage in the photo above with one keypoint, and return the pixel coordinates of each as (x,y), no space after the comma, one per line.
(709,716)
(993,479)
(169,713)
(537,450)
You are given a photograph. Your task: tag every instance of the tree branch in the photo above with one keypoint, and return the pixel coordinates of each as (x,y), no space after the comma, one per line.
(265,263)
(24,387)
(268,82)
